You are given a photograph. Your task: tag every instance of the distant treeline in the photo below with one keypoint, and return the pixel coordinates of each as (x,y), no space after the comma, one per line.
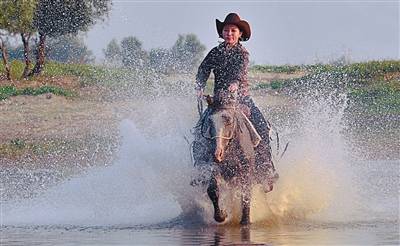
(63,49)
(184,56)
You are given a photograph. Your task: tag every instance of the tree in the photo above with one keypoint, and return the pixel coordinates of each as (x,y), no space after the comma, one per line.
(3,48)
(24,13)
(160,60)
(187,52)
(59,17)
(4,20)
(133,55)
(68,49)
(17,18)
(112,53)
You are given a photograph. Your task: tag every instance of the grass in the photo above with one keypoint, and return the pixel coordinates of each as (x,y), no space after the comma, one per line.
(373,87)
(274,85)
(366,81)
(116,79)
(356,73)
(379,97)
(289,69)
(360,70)
(277,84)
(88,74)
(10,90)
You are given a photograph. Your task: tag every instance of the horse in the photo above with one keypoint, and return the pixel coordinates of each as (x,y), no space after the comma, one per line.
(224,147)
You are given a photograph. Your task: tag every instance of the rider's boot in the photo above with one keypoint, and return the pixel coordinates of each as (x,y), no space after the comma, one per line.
(265,170)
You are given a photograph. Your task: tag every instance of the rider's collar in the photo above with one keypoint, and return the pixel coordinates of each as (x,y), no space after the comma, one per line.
(224,46)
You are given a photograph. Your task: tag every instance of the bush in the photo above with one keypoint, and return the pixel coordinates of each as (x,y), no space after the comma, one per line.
(7,91)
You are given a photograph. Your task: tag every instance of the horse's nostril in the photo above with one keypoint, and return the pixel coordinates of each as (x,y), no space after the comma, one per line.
(218,155)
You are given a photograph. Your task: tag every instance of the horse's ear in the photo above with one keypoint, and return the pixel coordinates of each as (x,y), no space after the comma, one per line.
(254,136)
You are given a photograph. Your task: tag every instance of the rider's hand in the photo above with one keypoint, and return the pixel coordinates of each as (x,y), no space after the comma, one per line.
(245,109)
(233,87)
(199,93)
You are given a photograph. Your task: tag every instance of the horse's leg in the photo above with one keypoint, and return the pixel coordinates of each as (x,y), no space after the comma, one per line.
(246,198)
(246,195)
(213,193)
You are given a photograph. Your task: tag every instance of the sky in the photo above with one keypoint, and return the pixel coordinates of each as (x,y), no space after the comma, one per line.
(283,32)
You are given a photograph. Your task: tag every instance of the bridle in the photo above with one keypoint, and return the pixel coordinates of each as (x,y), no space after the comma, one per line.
(218,136)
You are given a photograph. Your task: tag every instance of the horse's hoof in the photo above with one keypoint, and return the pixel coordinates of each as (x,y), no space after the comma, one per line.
(220,216)
(268,188)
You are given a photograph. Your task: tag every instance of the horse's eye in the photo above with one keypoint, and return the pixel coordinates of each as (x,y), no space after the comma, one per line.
(228,120)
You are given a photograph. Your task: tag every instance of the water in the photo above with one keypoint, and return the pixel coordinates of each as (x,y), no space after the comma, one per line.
(374,233)
(326,193)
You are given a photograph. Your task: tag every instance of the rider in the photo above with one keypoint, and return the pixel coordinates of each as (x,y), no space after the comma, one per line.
(229,63)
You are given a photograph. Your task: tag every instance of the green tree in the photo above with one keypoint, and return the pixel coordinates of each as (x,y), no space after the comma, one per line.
(17,18)
(112,53)
(23,18)
(59,17)
(133,55)
(187,52)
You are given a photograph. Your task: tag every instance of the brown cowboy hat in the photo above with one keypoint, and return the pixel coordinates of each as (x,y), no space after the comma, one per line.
(234,19)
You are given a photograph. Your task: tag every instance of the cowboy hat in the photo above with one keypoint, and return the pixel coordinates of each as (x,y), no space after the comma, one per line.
(234,19)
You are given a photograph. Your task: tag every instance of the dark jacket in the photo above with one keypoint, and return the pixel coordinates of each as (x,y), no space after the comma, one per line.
(228,65)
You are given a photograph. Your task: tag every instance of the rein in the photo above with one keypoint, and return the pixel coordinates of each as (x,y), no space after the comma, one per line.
(204,117)
(199,106)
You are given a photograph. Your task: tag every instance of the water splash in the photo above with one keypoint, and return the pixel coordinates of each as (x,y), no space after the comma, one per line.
(314,172)
(149,182)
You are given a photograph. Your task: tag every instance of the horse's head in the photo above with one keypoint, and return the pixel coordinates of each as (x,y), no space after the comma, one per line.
(223,125)
(227,123)
(222,121)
